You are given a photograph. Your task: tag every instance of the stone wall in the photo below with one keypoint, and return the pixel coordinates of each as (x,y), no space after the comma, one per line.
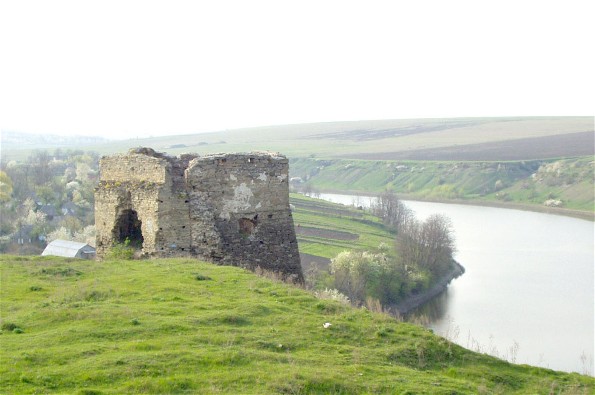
(230,209)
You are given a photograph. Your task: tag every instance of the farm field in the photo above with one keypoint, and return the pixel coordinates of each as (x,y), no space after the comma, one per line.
(418,139)
(183,326)
(556,146)
(325,229)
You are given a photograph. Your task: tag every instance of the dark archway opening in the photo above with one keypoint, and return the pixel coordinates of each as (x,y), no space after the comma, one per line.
(128,227)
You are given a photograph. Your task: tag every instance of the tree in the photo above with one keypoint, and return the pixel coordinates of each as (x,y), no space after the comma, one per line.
(5,187)
(40,162)
(86,235)
(364,274)
(392,211)
(82,172)
(427,245)
(439,242)
(351,270)
(60,233)
(46,194)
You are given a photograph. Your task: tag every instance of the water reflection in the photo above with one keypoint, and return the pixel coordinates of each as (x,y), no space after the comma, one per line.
(431,311)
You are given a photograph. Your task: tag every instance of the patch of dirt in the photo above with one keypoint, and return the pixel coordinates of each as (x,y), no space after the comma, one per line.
(325,233)
(308,261)
(376,134)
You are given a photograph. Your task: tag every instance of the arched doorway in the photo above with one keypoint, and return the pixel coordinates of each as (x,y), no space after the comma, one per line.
(128,227)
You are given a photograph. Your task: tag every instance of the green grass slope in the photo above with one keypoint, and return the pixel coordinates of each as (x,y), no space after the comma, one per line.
(181,326)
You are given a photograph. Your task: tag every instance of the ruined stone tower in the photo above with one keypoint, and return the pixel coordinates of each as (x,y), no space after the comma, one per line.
(230,209)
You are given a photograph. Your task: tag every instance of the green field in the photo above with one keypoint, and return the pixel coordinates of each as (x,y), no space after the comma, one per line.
(316,215)
(182,326)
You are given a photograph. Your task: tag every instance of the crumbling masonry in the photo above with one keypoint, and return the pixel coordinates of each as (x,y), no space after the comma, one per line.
(230,209)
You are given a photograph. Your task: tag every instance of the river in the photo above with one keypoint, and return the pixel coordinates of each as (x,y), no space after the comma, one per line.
(528,291)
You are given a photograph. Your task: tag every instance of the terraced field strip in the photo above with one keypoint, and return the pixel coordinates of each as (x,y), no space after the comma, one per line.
(325,229)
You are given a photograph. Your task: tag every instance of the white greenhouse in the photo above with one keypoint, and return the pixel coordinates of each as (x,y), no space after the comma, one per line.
(69,249)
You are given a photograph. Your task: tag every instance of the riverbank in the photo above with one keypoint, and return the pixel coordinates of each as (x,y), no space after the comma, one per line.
(580,214)
(413,302)
(586,215)
(523,185)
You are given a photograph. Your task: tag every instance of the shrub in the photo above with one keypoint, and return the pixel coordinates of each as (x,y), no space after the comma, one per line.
(9,326)
(332,294)
(121,251)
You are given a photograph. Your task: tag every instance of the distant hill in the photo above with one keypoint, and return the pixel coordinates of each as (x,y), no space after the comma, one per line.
(519,138)
(506,138)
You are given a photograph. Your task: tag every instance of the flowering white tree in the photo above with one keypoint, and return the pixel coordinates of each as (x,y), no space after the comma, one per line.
(86,235)
(60,233)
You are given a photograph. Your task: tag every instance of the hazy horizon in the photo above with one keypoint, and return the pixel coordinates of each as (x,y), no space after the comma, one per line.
(138,69)
(173,133)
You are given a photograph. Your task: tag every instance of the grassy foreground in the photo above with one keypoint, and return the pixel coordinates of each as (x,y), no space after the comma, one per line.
(182,326)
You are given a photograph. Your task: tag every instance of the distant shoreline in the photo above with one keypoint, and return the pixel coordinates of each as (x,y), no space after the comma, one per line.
(580,214)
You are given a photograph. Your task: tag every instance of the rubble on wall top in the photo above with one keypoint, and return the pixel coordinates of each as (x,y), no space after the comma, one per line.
(148,152)
(255,154)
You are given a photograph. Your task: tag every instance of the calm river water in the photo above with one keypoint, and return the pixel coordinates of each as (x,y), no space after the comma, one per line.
(528,291)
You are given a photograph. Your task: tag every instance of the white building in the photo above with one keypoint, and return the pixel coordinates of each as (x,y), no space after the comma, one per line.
(69,249)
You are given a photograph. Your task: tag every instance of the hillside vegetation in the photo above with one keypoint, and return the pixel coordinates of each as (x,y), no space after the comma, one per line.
(567,183)
(182,326)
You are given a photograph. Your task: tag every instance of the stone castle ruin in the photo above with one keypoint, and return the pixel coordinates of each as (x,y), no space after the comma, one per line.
(230,209)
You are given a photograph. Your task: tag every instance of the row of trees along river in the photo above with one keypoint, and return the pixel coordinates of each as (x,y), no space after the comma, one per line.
(390,277)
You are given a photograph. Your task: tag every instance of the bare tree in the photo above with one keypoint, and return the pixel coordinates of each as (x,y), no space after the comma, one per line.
(428,245)
(392,211)
(40,162)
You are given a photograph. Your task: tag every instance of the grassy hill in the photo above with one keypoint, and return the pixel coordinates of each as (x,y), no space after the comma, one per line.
(182,326)
(506,182)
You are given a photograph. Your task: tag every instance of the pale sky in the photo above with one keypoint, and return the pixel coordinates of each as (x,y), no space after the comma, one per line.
(125,69)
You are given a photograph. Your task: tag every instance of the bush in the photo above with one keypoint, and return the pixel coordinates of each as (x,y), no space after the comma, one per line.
(9,326)
(121,251)
(363,274)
